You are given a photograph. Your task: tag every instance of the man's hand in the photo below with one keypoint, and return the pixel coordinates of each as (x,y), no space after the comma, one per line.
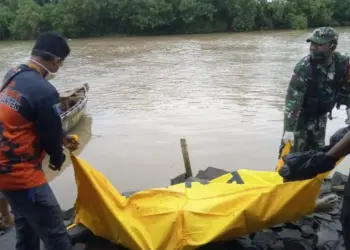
(306,165)
(56,162)
(71,142)
(288,136)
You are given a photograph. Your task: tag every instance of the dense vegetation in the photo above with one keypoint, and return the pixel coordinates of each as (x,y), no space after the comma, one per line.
(25,19)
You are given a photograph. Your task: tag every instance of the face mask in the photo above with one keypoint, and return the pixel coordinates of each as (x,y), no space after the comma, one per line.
(50,75)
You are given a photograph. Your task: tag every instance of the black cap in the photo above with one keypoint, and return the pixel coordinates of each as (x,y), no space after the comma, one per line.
(53,43)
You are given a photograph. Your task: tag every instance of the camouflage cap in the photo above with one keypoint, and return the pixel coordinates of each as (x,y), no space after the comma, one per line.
(323,35)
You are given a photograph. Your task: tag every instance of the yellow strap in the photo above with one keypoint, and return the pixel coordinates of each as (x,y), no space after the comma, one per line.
(285,151)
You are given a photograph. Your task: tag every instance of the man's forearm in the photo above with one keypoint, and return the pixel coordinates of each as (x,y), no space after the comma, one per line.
(342,148)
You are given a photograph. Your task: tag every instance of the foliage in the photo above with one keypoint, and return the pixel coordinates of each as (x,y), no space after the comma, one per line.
(25,19)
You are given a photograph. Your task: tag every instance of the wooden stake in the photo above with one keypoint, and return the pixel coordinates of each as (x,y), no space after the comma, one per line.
(186,158)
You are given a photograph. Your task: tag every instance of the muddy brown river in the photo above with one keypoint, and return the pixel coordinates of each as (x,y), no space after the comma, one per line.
(224,93)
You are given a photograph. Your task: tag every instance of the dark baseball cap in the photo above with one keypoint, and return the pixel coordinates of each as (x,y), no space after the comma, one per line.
(52,43)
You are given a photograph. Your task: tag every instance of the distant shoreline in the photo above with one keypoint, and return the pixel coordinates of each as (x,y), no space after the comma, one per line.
(116,35)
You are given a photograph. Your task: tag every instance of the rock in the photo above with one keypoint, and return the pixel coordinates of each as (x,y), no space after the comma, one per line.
(223,246)
(333,245)
(307,231)
(336,225)
(80,234)
(339,179)
(290,233)
(265,236)
(327,232)
(266,240)
(294,225)
(323,216)
(79,246)
(296,244)
(278,245)
(309,221)
(97,243)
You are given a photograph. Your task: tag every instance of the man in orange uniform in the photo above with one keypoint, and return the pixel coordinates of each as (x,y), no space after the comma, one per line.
(30,127)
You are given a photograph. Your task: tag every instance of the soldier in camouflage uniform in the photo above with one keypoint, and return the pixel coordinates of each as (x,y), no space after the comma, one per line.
(319,83)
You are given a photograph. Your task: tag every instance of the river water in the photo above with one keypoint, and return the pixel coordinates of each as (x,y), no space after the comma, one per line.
(224,93)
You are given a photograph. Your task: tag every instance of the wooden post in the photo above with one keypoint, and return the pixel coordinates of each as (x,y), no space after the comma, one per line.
(186,158)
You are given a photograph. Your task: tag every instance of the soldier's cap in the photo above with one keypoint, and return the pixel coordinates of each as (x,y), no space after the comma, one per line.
(323,35)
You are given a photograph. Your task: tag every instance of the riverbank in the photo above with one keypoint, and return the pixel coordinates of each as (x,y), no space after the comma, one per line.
(96,18)
(193,35)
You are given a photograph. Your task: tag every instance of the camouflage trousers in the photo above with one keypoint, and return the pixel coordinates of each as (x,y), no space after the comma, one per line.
(309,137)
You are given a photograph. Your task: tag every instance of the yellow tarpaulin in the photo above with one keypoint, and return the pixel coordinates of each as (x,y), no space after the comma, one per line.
(180,217)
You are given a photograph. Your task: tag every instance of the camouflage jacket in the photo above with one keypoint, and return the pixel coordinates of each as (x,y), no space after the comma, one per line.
(326,84)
